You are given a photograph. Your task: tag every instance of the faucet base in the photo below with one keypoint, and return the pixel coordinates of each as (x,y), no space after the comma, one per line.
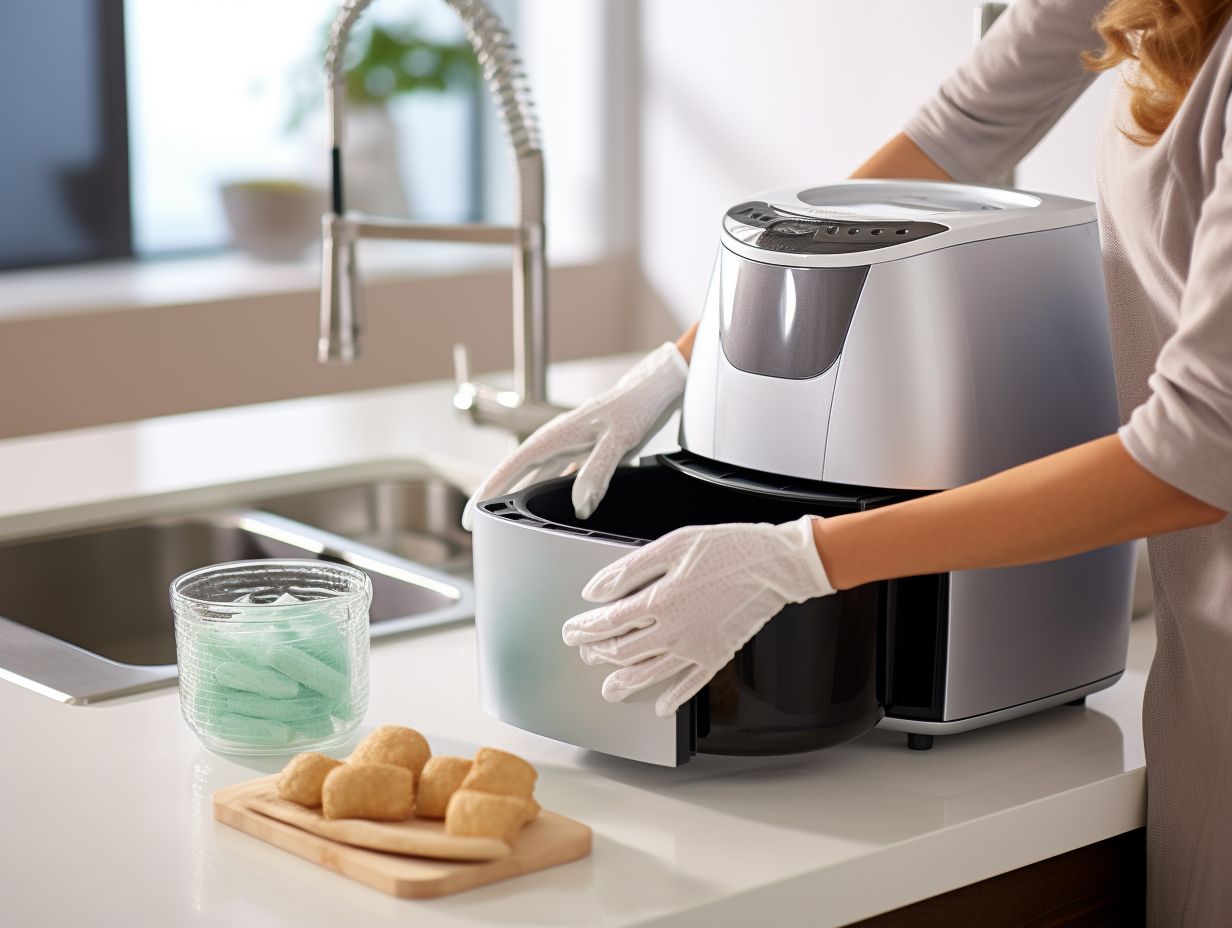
(504,409)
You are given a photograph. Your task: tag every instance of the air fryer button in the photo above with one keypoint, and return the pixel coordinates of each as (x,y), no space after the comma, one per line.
(840,237)
(792,228)
(820,236)
(755,213)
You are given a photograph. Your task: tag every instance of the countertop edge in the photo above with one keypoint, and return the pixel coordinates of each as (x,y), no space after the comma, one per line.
(942,861)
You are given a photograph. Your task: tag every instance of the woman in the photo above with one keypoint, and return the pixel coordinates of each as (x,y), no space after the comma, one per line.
(1165,200)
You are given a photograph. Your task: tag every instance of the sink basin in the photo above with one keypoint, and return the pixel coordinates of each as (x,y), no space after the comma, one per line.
(415,518)
(84,615)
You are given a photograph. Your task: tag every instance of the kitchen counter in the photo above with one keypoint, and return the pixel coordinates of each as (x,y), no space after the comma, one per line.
(105,810)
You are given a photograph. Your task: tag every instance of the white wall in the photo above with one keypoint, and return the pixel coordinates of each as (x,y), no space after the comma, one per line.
(739,96)
(562,48)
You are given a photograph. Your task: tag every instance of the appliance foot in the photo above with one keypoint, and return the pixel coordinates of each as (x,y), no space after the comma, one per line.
(1080,701)
(917,742)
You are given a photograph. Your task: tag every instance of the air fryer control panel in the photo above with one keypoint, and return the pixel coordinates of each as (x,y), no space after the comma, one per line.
(800,235)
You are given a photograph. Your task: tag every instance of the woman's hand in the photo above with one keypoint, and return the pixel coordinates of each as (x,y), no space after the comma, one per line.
(681,607)
(597,435)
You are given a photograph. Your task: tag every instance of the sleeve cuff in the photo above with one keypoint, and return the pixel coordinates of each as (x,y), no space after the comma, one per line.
(1172,453)
(940,130)
(920,131)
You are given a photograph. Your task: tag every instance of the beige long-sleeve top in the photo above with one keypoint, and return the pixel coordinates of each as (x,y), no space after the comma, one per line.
(1166,227)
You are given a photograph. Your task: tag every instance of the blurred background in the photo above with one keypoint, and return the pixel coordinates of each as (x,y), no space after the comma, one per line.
(165,168)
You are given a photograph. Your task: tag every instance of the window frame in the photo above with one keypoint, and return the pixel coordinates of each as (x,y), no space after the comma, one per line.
(108,222)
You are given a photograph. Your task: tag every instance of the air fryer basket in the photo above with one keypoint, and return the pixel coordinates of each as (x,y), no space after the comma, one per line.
(808,679)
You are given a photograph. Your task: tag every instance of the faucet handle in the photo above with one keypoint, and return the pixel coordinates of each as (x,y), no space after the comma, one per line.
(466,392)
(461,364)
(494,406)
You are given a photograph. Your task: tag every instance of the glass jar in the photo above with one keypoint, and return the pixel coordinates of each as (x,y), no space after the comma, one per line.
(272,654)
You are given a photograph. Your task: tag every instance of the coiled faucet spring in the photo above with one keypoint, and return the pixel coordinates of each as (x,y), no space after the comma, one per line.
(525,407)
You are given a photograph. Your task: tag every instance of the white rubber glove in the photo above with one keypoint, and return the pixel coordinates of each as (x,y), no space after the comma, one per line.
(714,587)
(597,435)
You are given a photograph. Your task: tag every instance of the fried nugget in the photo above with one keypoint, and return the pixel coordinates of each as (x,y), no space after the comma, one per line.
(440,779)
(302,778)
(471,812)
(380,792)
(532,811)
(394,744)
(502,773)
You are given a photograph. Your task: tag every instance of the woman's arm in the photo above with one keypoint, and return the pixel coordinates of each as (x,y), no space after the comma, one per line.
(901,158)
(1019,80)
(684,344)
(1095,494)
(1082,498)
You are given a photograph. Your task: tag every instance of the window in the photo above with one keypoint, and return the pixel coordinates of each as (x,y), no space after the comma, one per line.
(64,162)
(131,115)
(212,94)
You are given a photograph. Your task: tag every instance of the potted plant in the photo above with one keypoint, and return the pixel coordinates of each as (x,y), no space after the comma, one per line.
(277,219)
(386,63)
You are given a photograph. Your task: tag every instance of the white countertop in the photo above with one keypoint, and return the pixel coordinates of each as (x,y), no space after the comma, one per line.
(105,814)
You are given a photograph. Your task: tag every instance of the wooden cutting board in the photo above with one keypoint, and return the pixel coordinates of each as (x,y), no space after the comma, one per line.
(549,840)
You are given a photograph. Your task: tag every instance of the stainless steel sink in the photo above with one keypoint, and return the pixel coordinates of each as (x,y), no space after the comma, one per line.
(417,519)
(84,614)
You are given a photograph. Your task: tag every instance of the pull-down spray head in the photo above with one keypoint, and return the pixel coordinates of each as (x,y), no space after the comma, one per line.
(341,298)
(525,407)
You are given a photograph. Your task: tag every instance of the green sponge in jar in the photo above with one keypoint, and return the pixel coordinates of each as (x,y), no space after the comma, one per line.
(253,731)
(262,681)
(306,670)
(301,709)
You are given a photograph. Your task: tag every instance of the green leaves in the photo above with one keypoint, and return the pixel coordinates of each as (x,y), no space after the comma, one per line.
(396,62)
(386,61)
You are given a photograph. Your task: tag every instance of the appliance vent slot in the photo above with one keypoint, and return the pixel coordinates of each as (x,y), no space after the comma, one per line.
(917,609)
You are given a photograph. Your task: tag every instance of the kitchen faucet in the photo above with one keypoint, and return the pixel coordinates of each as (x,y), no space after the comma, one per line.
(525,407)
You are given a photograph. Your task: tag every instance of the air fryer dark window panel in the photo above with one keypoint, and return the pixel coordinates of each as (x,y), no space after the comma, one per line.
(914,638)
(64,156)
(784,321)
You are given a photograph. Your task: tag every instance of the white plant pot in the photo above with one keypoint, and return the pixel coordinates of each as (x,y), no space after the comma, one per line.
(273,220)
(371,163)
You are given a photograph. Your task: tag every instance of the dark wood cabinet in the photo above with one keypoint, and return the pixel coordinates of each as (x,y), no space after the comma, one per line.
(1102,885)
